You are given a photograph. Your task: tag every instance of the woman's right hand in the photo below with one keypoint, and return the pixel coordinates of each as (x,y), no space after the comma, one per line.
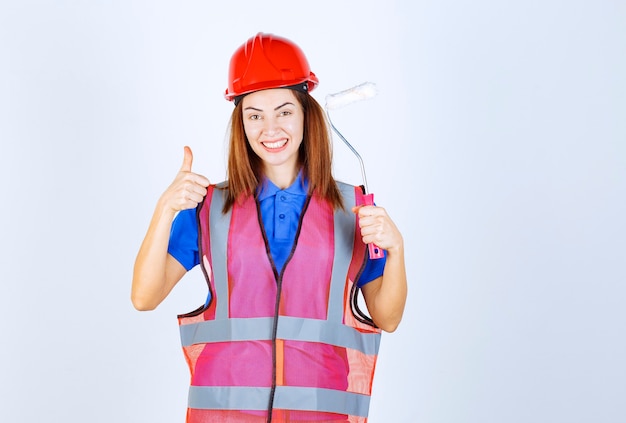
(156,272)
(188,189)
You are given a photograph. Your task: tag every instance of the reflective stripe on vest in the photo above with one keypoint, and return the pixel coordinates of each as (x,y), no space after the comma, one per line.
(259,328)
(212,338)
(287,397)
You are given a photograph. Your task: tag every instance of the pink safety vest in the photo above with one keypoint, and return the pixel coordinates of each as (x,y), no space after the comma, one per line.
(289,347)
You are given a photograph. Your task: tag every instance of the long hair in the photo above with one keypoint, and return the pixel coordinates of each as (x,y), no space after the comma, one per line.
(245,168)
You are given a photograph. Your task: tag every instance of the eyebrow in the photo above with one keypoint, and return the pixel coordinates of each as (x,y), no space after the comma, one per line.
(276,108)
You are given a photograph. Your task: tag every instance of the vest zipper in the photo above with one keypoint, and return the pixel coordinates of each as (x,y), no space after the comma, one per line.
(279,285)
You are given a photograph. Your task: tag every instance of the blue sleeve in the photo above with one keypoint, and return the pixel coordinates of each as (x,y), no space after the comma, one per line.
(374,268)
(183,244)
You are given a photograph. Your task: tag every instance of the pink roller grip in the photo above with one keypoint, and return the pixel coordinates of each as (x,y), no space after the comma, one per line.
(375,251)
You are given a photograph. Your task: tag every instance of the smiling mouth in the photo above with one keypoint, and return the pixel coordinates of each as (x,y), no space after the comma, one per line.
(274,144)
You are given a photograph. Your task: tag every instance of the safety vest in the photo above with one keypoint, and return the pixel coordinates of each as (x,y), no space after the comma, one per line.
(288,347)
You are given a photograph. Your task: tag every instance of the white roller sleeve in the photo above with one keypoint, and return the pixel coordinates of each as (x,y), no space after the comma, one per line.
(343,98)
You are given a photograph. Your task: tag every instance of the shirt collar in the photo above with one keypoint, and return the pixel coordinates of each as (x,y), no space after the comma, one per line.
(267,188)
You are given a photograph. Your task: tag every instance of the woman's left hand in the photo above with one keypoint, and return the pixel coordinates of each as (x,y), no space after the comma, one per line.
(385,296)
(378,228)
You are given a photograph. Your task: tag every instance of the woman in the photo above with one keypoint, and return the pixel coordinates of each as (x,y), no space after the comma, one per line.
(282,245)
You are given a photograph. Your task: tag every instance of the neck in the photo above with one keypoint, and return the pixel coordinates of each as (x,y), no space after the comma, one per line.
(282,178)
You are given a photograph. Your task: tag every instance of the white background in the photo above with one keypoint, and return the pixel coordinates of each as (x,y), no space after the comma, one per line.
(497,143)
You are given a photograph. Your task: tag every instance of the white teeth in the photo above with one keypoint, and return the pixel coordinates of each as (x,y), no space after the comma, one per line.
(276,144)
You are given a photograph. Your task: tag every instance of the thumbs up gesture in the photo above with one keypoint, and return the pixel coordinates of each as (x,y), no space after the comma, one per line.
(188,188)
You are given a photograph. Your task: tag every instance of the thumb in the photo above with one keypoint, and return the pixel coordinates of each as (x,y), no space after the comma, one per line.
(187,160)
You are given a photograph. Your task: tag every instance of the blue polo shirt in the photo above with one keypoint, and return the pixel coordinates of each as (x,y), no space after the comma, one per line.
(280,213)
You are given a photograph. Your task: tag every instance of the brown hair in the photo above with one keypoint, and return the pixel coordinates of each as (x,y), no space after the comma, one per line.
(245,169)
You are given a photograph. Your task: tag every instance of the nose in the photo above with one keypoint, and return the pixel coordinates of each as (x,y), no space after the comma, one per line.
(270,125)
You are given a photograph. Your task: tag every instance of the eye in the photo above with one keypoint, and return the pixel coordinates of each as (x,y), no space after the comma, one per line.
(254,117)
(285,113)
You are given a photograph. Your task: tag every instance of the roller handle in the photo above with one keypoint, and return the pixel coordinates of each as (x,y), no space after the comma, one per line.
(375,251)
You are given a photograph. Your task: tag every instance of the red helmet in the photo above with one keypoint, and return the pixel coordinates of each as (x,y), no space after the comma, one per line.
(267,61)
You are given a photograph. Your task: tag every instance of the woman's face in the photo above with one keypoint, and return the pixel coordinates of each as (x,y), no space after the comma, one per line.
(274,124)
